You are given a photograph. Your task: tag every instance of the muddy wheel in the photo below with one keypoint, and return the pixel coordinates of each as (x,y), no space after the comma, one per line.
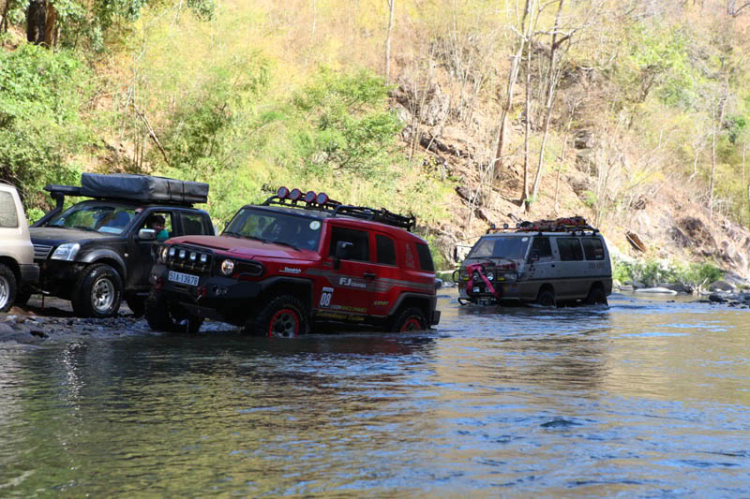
(165,315)
(546,298)
(7,288)
(137,304)
(283,317)
(411,319)
(98,292)
(596,296)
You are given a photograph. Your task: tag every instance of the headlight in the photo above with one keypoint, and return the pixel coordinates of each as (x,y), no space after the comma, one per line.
(66,252)
(163,254)
(227,267)
(490,275)
(510,277)
(463,275)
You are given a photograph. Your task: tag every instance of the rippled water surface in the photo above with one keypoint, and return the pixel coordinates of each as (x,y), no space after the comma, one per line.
(645,398)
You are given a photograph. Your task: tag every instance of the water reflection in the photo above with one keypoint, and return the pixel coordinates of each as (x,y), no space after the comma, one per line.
(642,398)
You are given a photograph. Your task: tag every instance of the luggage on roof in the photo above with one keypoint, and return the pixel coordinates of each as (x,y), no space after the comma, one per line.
(143,188)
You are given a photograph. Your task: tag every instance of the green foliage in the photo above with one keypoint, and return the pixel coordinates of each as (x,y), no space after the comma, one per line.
(203,126)
(655,272)
(41,96)
(659,60)
(342,123)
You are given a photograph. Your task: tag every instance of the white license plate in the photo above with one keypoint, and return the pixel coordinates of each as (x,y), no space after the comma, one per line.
(190,280)
(476,290)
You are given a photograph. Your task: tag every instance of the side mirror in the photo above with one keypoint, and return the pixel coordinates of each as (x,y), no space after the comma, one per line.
(147,235)
(341,253)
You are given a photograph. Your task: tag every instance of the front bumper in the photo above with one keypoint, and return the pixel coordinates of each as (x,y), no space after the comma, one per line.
(508,290)
(29,274)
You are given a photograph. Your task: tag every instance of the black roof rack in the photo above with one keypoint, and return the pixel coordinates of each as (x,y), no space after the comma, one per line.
(569,224)
(334,208)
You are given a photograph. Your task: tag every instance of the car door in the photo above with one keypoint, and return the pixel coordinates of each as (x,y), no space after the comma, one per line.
(354,277)
(540,267)
(572,282)
(142,254)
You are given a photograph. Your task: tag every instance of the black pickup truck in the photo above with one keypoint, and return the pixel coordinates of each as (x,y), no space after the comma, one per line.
(101,250)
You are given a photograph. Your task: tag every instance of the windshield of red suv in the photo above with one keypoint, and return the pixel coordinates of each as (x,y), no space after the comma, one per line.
(275,227)
(512,248)
(99,217)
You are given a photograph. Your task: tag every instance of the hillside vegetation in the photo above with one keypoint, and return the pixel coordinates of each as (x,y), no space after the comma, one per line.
(463,112)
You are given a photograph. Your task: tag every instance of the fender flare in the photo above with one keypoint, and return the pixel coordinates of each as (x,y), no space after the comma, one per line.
(430,299)
(106,254)
(307,300)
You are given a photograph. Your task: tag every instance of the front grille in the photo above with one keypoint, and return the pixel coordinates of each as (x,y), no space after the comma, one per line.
(187,259)
(42,251)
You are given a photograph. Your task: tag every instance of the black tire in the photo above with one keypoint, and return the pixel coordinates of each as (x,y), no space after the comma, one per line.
(136,304)
(8,288)
(546,298)
(165,315)
(98,292)
(284,317)
(411,319)
(596,296)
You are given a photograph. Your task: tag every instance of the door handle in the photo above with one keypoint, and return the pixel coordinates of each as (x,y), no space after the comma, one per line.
(553,265)
(370,275)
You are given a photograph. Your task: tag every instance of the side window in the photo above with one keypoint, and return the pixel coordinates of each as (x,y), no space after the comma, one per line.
(8,214)
(360,240)
(193,224)
(541,248)
(162,223)
(593,248)
(386,250)
(570,249)
(425,258)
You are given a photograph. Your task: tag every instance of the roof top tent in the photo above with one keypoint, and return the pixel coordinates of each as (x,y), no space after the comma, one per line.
(129,187)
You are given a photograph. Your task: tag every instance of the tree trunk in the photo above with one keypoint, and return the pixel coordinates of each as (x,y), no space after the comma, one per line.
(527,128)
(50,31)
(4,20)
(36,20)
(717,124)
(512,77)
(552,79)
(391,8)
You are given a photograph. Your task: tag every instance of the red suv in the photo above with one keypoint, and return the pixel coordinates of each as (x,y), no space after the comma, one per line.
(295,259)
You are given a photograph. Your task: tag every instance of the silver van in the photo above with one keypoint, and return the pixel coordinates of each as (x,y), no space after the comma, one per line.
(17,268)
(550,262)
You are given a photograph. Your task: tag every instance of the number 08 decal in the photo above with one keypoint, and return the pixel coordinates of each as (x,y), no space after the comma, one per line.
(325,298)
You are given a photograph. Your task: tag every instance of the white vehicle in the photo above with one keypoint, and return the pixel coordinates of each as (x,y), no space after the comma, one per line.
(17,268)
(550,262)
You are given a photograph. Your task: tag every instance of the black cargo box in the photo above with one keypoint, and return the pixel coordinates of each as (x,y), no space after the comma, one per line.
(143,188)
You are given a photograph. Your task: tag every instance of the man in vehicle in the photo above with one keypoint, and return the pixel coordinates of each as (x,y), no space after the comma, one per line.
(157,223)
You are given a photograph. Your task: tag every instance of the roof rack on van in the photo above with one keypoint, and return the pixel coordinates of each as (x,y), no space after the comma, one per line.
(322,202)
(568,224)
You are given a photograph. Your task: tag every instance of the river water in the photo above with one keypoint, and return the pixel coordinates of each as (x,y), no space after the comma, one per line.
(645,398)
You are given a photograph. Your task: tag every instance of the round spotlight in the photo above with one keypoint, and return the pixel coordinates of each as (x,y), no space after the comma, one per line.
(295,195)
(193,256)
(282,192)
(322,198)
(227,267)
(172,251)
(182,254)
(310,197)
(204,258)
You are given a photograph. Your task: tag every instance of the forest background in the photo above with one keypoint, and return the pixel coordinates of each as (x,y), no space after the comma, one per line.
(633,114)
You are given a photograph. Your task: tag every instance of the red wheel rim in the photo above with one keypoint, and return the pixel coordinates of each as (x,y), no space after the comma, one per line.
(284,323)
(411,324)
